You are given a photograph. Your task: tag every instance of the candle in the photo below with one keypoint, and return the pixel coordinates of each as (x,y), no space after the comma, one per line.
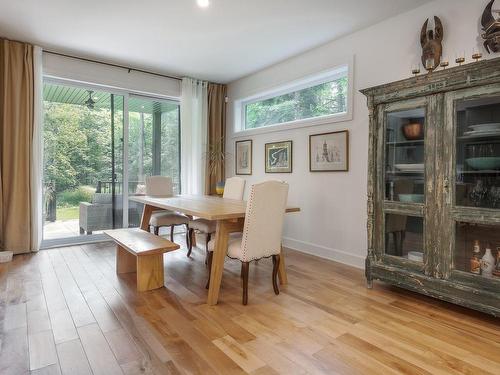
(429,63)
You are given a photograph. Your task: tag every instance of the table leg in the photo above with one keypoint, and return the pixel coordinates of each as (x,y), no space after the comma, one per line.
(282,270)
(146,216)
(221,238)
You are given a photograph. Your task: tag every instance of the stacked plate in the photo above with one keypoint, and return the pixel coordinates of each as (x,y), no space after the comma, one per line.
(410,167)
(484,130)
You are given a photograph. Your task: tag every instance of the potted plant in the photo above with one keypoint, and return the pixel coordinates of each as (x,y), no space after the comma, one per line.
(216,157)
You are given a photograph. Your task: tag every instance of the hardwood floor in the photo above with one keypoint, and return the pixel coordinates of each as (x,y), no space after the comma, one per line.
(66,311)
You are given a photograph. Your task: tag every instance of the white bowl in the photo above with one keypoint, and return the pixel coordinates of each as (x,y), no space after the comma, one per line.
(416,256)
(6,256)
(485,127)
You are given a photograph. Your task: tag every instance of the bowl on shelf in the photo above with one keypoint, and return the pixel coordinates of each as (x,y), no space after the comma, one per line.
(413,131)
(491,162)
(416,256)
(411,198)
(410,167)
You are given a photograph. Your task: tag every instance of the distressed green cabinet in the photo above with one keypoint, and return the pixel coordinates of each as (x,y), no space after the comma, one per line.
(434,185)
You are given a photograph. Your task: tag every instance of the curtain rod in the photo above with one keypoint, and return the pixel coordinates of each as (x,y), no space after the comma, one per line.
(110,64)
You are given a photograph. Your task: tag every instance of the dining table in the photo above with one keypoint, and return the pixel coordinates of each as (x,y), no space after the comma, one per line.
(229,215)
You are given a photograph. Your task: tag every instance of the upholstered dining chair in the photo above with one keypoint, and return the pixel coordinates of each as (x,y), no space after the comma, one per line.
(161,187)
(233,189)
(262,231)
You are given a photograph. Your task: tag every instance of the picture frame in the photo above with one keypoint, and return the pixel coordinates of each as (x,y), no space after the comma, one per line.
(278,157)
(329,152)
(243,157)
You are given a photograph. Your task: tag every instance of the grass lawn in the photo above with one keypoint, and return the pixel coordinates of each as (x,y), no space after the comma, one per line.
(67,213)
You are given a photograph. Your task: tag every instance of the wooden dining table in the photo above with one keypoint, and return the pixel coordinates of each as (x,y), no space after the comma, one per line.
(229,215)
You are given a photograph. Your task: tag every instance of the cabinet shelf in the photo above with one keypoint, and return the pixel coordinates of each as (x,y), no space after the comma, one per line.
(486,171)
(419,142)
(405,172)
(480,138)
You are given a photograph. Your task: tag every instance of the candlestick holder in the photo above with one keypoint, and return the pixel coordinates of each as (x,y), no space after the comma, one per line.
(444,64)
(460,60)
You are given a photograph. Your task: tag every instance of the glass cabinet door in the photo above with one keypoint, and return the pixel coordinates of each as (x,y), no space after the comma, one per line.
(477,182)
(404,156)
(403,181)
(474,200)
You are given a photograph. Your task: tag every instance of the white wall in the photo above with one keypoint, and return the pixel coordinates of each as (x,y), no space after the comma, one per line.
(332,223)
(110,76)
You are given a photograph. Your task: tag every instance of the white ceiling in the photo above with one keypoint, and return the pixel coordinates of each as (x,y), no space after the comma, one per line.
(228,40)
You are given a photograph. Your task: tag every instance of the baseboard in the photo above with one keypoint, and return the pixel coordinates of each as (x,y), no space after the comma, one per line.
(340,256)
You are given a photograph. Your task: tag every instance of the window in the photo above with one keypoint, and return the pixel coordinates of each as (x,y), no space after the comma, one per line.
(320,96)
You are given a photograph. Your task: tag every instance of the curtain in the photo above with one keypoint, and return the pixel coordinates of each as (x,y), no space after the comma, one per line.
(194,103)
(16,141)
(216,134)
(36,171)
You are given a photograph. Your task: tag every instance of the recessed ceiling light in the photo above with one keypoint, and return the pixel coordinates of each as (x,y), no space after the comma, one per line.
(203,3)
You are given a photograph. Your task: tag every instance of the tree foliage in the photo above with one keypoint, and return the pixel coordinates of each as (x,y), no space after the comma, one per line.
(77,145)
(320,100)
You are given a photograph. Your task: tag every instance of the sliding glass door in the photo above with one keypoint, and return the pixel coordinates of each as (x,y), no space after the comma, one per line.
(153,146)
(88,172)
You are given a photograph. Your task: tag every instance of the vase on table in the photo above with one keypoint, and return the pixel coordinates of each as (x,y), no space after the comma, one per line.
(219,187)
(487,263)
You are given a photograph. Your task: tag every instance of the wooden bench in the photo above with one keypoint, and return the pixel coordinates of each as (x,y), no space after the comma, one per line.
(141,252)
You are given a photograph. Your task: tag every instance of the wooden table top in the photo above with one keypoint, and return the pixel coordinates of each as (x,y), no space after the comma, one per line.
(204,206)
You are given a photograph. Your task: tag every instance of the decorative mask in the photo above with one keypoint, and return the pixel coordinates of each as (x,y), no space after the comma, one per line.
(430,40)
(491,28)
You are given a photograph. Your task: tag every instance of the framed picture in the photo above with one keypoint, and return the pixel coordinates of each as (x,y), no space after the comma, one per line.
(244,157)
(278,157)
(329,152)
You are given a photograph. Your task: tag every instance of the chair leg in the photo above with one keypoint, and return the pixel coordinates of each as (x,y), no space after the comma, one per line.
(209,262)
(189,233)
(244,274)
(209,236)
(172,233)
(156,230)
(276,266)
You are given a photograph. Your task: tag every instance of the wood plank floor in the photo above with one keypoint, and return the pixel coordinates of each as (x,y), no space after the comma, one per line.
(65,311)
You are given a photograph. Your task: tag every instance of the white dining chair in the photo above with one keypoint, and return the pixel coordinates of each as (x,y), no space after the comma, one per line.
(161,187)
(233,189)
(262,231)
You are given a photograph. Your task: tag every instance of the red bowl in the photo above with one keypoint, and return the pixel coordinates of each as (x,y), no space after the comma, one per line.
(413,131)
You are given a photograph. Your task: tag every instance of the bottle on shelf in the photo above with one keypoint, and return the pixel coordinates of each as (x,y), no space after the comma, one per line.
(487,263)
(475,263)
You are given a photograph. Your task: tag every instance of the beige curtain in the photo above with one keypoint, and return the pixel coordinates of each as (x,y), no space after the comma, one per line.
(216,132)
(16,138)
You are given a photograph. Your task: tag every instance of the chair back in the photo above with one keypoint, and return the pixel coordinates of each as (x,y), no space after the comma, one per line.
(159,186)
(234,188)
(264,218)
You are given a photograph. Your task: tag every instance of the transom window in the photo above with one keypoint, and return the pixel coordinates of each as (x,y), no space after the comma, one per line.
(323,95)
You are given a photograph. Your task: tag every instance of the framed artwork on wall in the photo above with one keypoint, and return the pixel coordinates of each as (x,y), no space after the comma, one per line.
(244,157)
(278,157)
(329,152)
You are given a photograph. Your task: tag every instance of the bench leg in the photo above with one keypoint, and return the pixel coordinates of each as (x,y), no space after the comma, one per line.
(149,272)
(125,262)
